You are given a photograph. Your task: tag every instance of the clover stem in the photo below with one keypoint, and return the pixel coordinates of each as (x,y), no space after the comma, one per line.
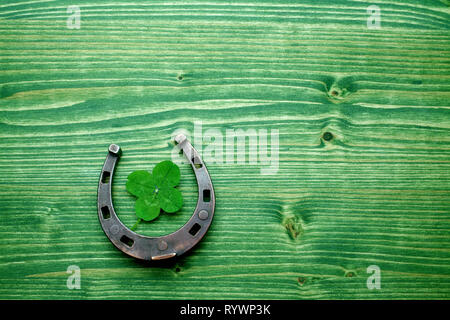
(136,224)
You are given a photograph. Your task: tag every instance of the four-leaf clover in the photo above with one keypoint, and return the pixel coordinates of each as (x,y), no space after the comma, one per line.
(156,190)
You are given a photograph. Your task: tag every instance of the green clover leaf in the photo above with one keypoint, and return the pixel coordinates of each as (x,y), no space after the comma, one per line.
(141,183)
(155,191)
(147,208)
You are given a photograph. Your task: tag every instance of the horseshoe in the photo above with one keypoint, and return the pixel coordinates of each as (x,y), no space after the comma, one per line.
(164,247)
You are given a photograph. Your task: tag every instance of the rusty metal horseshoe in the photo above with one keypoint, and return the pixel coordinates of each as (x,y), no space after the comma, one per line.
(164,247)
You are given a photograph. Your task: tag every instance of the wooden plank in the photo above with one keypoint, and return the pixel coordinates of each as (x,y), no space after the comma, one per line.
(377,193)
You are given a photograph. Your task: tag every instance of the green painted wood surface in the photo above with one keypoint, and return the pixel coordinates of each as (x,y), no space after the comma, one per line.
(378,193)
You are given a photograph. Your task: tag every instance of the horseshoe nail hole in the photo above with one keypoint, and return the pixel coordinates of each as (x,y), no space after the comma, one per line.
(105,176)
(177,269)
(197,163)
(180,77)
(105,212)
(195,229)
(127,241)
(206,195)
(327,136)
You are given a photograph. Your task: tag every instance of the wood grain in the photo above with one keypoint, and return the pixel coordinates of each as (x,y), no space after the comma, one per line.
(378,193)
